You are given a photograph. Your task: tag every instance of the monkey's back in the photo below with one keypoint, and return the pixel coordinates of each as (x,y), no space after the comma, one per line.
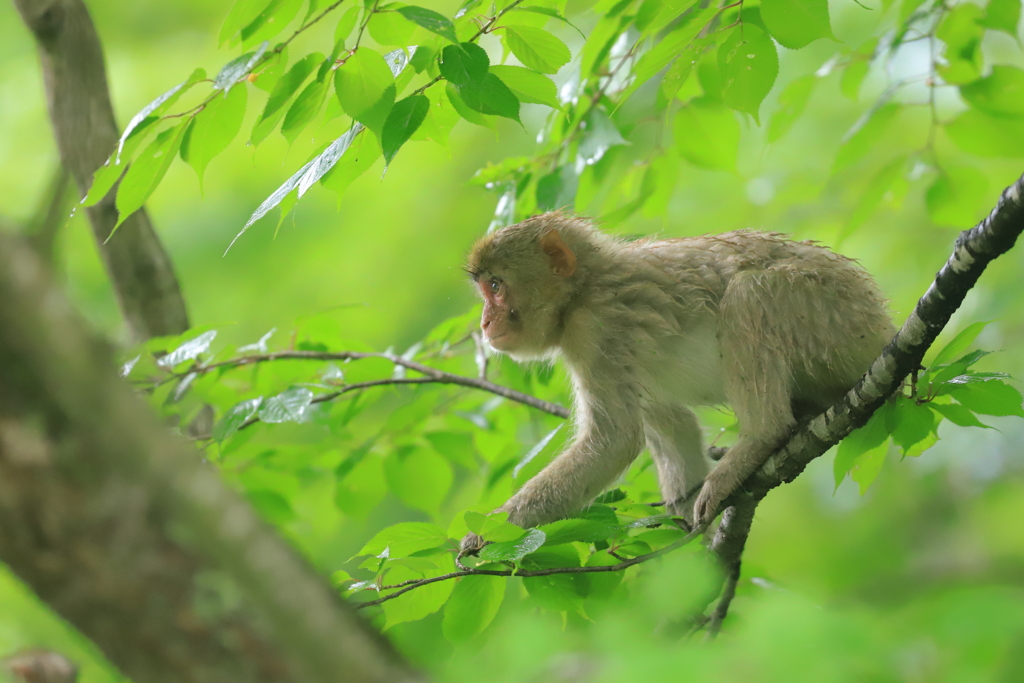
(801,299)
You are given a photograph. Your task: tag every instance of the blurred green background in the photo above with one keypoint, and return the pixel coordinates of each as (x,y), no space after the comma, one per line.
(922,579)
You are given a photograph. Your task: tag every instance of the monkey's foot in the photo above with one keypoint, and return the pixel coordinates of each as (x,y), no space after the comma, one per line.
(717,487)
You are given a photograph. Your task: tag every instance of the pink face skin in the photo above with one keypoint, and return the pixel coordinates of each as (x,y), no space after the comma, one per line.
(497,321)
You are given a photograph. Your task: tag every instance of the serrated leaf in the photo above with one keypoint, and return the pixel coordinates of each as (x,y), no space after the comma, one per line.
(288,406)
(364,153)
(910,423)
(976,132)
(419,477)
(707,134)
(960,343)
(872,196)
(326,160)
(958,414)
(107,175)
(242,13)
(238,415)
(423,601)
(464,64)
(213,129)
(958,198)
(537,49)
(527,85)
(305,108)
(865,134)
(452,92)
(962,35)
(238,68)
(1002,15)
(513,551)
(391,28)
(430,20)
(749,64)
(792,101)
(573,530)
(268,23)
(405,117)
(668,48)
(796,23)
(993,397)
(868,438)
(1001,93)
(490,96)
(282,93)
(868,466)
(146,172)
(187,350)
(405,539)
(472,606)
(365,87)
(157,107)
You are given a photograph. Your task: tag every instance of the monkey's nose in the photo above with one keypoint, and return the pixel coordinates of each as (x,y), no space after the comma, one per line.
(484,324)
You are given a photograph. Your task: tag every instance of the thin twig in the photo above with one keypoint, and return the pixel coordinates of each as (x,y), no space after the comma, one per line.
(413,584)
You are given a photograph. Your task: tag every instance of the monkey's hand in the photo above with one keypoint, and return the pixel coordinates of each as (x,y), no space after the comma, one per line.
(471,544)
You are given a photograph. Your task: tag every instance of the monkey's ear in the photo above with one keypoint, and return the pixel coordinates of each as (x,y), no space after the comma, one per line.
(560,256)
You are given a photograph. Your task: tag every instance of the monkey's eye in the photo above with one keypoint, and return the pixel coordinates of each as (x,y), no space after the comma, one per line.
(495,285)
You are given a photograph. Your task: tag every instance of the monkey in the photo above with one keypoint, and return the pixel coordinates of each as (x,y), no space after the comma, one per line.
(777,328)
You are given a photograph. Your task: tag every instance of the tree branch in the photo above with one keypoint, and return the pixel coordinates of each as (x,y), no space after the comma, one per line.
(431,375)
(83,123)
(129,536)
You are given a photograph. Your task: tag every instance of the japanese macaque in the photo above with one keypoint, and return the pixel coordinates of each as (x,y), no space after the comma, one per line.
(778,329)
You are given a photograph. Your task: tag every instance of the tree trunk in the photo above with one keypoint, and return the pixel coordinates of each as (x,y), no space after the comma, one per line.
(83,122)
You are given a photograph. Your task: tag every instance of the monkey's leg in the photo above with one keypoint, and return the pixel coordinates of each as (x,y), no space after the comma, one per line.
(675,439)
(758,374)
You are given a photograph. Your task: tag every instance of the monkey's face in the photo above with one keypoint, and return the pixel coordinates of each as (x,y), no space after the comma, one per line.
(515,321)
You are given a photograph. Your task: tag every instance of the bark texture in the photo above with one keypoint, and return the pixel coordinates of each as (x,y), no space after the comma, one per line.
(83,123)
(122,530)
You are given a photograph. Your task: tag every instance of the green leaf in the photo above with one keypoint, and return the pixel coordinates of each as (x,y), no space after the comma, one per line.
(490,96)
(213,129)
(366,88)
(910,423)
(271,505)
(871,436)
(146,172)
(945,373)
(288,406)
(464,64)
(405,117)
(599,135)
(601,585)
(573,530)
(430,20)
(558,592)
(282,93)
(419,477)
(707,135)
(305,108)
(157,107)
(344,27)
(792,101)
(109,173)
(873,194)
(457,447)
(958,198)
(989,398)
(655,15)
(678,73)
(391,28)
(528,86)
(472,606)
(796,23)
(868,466)
(236,417)
(365,151)
(962,34)
(402,540)
(857,69)
(960,343)
(957,414)
(513,551)
(1000,93)
(241,14)
(749,64)
(865,134)
(187,350)
(976,132)
(464,111)
(274,19)
(1002,15)
(667,49)
(537,49)
(493,527)
(425,600)
(238,68)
